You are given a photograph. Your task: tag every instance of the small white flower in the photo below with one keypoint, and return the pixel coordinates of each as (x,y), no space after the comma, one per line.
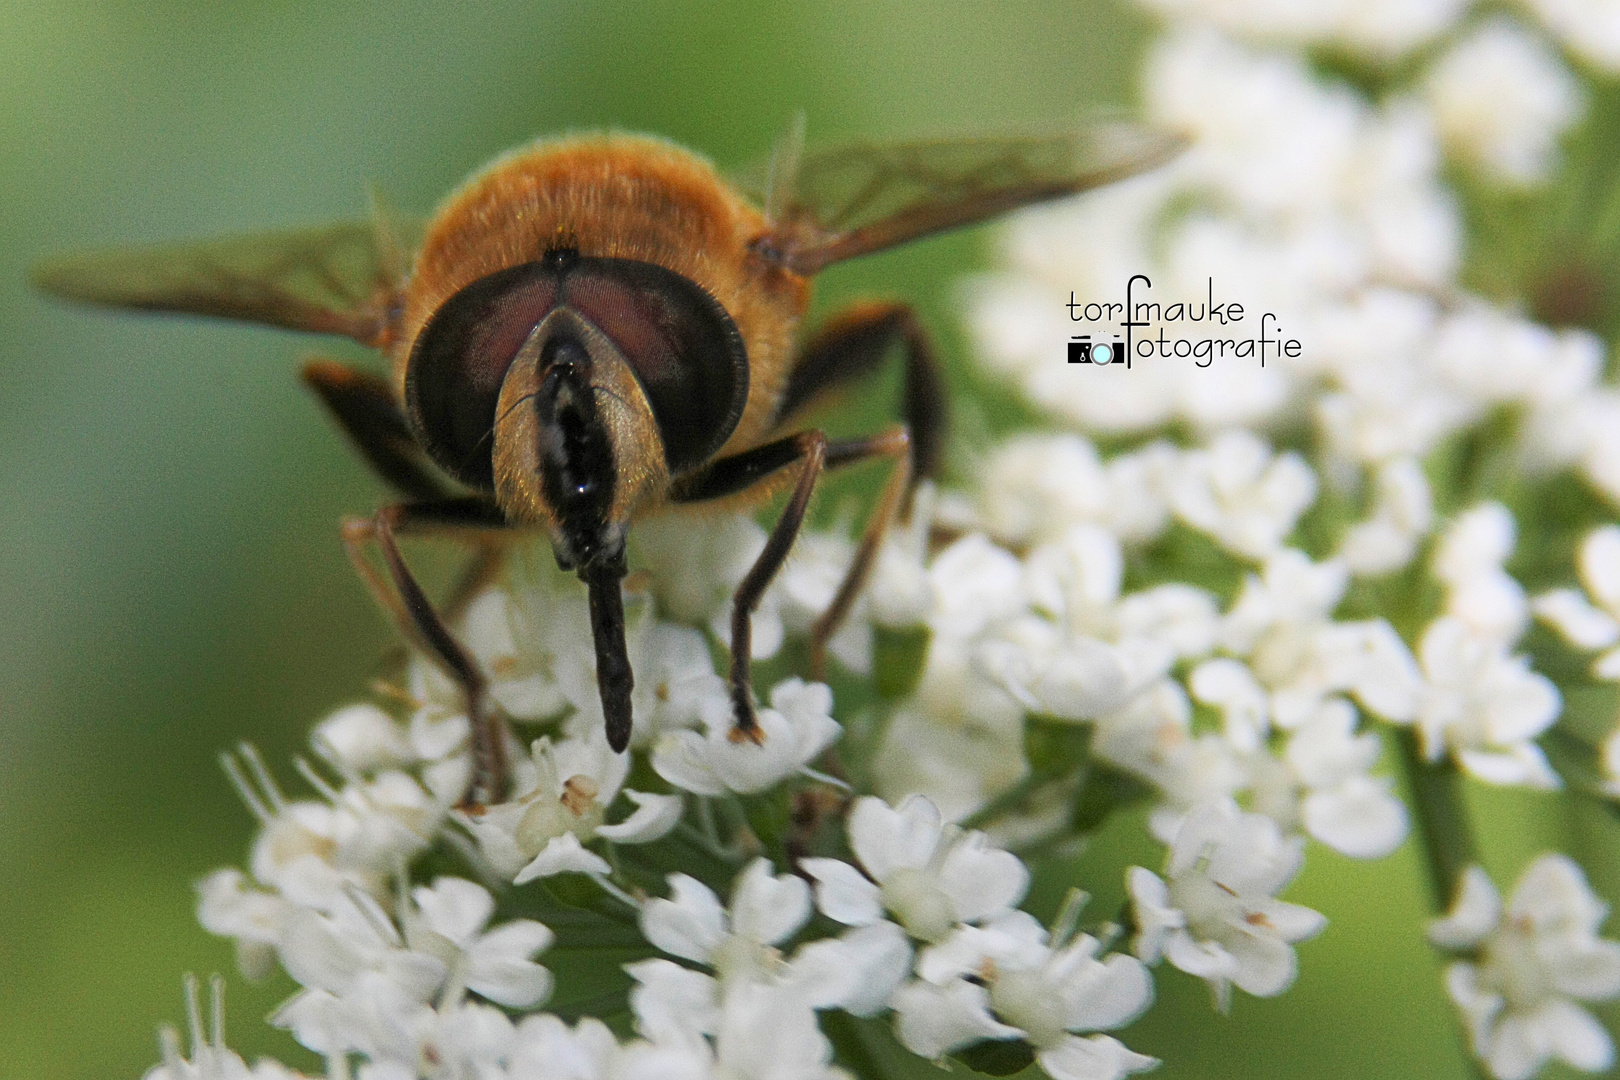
(1033,487)
(228,906)
(930,875)
(697,564)
(1280,624)
(362,739)
(1469,560)
(1152,737)
(764,1032)
(976,584)
(793,732)
(447,920)
(1403,513)
(675,682)
(1502,98)
(1242,495)
(1053,672)
(806,585)
(567,788)
(525,639)
(544,1046)
(1214,914)
(310,852)
(1029,988)
(1484,707)
(332,951)
(1320,784)
(765,911)
(1536,959)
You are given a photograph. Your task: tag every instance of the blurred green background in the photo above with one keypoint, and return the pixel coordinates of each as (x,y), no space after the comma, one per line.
(170,571)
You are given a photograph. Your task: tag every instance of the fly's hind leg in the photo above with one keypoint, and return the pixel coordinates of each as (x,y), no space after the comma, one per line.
(851,345)
(363,405)
(808,450)
(401,596)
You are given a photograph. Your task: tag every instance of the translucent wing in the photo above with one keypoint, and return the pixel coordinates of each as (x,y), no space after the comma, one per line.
(825,207)
(341,279)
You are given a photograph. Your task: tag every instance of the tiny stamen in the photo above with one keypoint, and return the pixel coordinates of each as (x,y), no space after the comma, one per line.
(316,781)
(244,790)
(250,754)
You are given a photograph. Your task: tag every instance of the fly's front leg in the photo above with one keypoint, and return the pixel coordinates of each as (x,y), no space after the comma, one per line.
(402,596)
(727,476)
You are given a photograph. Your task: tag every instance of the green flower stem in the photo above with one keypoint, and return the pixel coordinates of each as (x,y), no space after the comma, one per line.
(1444,831)
(1442,818)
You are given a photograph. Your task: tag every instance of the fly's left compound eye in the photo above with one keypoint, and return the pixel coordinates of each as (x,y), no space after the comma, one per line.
(460,360)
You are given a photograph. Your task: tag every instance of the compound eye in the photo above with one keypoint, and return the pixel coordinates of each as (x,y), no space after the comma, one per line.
(460,359)
(684,348)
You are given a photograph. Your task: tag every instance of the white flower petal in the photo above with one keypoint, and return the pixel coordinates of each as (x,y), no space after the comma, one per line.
(1521,763)
(691,925)
(499,965)
(933,1020)
(681,757)
(768,909)
(1106,994)
(1581,624)
(1206,959)
(856,972)
(363,738)
(886,840)
(672,1002)
(561,855)
(654,817)
(455,908)
(1360,817)
(980,881)
(1574,1036)
(843,893)
(1100,1057)
(1263,964)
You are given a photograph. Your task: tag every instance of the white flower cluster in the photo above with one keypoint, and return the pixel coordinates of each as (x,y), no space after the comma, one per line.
(423,981)
(1305,199)
(1215,606)
(1250,719)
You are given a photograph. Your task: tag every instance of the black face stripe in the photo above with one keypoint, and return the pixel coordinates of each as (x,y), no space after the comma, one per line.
(575,453)
(684,349)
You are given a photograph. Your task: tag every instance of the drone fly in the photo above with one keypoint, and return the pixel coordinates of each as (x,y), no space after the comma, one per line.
(596,328)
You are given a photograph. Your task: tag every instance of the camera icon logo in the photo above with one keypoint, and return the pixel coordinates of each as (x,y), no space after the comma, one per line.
(1082,350)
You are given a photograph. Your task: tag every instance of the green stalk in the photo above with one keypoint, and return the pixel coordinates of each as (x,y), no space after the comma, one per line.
(1444,832)
(1442,818)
